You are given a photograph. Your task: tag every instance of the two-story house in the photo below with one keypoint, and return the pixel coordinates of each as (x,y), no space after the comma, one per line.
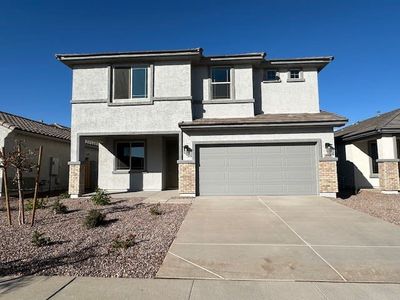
(210,125)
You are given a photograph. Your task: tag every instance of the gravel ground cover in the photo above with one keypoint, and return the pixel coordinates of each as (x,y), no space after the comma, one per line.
(384,206)
(77,251)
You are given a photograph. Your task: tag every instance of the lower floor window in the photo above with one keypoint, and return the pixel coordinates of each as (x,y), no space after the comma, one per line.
(373,154)
(130,155)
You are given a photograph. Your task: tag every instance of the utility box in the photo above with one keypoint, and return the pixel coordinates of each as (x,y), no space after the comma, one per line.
(54,166)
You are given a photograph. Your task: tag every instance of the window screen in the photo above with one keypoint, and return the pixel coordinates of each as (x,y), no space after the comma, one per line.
(121,83)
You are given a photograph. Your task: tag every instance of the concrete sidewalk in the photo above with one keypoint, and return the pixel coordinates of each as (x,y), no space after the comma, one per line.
(40,287)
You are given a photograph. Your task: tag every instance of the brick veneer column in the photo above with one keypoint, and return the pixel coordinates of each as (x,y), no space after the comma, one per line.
(389,178)
(187,178)
(328,182)
(76,179)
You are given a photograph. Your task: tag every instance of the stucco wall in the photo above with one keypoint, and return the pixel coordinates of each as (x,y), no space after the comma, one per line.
(51,148)
(112,180)
(225,109)
(172,79)
(357,157)
(90,83)
(291,97)
(101,119)
(325,135)
(3,134)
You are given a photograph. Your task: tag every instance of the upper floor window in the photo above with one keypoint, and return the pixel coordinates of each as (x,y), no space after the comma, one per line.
(130,82)
(373,154)
(221,82)
(271,75)
(130,156)
(294,74)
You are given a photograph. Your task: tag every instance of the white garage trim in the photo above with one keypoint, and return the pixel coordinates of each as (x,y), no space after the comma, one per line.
(231,152)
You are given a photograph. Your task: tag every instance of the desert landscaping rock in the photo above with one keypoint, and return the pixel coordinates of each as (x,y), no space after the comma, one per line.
(374,203)
(77,251)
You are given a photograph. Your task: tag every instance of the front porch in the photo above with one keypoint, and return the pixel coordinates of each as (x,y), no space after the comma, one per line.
(371,163)
(129,163)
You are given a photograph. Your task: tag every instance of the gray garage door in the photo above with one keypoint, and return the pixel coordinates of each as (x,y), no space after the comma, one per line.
(278,169)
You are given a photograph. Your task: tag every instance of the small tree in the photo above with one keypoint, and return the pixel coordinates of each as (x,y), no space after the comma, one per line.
(22,159)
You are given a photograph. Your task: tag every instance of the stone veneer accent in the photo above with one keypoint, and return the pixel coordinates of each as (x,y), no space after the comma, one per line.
(389,178)
(187,178)
(328,182)
(76,179)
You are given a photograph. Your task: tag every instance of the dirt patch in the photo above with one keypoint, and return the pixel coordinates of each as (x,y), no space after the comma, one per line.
(77,251)
(374,203)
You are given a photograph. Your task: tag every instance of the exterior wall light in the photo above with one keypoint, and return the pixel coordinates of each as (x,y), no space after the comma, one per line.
(187,150)
(330,150)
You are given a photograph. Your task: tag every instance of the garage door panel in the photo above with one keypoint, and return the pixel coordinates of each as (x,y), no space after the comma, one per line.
(280,169)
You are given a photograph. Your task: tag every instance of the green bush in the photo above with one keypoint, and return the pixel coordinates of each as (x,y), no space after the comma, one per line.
(94,219)
(119,243)
(100,197)
(40,203)
(156,209)
(58,207)
(39,240)
(64,195)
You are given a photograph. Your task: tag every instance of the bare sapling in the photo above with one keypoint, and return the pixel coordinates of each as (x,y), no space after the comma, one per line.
(4,162)
(22,160)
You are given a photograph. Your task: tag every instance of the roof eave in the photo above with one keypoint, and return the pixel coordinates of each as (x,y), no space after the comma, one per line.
(77,59)
(228,125)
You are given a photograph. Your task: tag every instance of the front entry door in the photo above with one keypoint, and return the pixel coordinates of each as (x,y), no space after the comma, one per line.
(172,154)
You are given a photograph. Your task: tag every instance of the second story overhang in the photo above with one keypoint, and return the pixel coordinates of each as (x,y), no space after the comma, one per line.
(106,58)
(316,62)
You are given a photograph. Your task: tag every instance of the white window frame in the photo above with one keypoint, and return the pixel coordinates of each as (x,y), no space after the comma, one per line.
(300,78)
(131,67)
(225,82)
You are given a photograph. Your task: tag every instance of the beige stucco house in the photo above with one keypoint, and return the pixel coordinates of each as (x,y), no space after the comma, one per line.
(55,140)
(369,153)
(209,125)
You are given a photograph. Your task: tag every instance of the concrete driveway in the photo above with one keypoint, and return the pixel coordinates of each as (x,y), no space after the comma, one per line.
(302,238)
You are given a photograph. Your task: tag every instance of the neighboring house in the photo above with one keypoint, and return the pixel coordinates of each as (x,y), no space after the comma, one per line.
(55,140)
(212,125)
(369,153)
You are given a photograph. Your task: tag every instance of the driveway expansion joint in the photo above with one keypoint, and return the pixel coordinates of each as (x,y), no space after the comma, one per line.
(303,240)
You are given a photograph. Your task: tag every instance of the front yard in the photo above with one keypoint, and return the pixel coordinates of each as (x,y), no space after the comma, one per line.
(74,250)
(374,203)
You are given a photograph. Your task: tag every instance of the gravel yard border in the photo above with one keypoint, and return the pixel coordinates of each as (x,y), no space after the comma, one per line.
(77,251)
(375,203)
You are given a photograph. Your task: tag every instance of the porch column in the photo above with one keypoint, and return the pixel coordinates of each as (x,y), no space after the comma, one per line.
(388,165)
(328,182)
(76,167)
(187,178)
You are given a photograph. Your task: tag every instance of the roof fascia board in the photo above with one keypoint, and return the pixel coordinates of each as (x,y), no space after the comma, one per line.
(260,125)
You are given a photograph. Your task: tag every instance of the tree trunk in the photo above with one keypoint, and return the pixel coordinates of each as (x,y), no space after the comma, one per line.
(36,184)
(21,212)
(7,197)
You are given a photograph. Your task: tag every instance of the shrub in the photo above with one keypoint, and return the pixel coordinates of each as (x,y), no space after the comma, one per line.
(156,209)
(58,207)
(94,219)
(100,197)
(39,240)
(64,195)
(119,243)
(40,203)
